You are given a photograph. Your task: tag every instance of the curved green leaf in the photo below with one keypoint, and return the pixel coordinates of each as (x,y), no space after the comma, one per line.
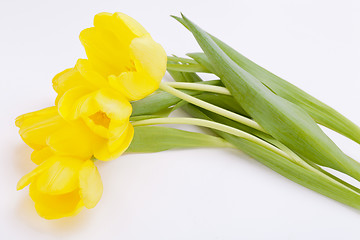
(284,120)
(335,189)
(157,139)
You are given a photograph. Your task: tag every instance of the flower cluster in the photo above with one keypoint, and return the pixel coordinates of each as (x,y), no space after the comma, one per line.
(90,119)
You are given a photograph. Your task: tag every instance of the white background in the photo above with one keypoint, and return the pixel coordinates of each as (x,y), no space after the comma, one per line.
(183,194)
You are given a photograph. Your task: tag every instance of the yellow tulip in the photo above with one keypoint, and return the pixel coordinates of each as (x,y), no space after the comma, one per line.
(62,186)
(84,93)
(47,133)
(123,52)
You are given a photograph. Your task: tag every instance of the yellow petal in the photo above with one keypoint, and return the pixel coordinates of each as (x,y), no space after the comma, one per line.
(133,85)
(120,144)
(107,150)
(88,73)
(30,177)
(113,104)
(129,24)
(56,206)
(107,44)
(91,187)
(116,129)
(121,25)
(66,80)
(37,126)
(105,111)
(107,54)
(71,102)
(36,116)
(150,65)
(74,139)
(62,177)
(149,57)
(40,155)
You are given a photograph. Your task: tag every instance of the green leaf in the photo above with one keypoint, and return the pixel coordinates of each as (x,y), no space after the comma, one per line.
(284,120)
(193,77)
(223,101)
(203,60)
(322,113)
(156,139)
(184,76)
(319,111)
(187,68)
(156,102)
(335,189)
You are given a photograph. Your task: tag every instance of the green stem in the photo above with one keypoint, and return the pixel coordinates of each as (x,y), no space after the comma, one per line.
(212,125)
(199,87)
(216,89)
(182,60)
(223,112)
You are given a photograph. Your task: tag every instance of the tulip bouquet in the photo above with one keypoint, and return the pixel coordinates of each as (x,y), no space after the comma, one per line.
(109,103)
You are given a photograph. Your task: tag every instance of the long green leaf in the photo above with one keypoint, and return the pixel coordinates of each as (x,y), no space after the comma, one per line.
(322,113)
(284,120)
(158,101)
(231,105)
(187,67)
(203,60)
(340,191)
(157,139)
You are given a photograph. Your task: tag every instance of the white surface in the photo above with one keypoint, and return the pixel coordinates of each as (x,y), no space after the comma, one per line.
(183,194)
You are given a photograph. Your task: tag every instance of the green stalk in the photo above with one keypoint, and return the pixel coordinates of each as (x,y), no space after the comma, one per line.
(199,87)
(211,125)
(210,107)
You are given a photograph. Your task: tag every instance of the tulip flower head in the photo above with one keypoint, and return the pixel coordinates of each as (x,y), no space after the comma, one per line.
(84,95)
(120,49)
(48,133)
(62,186)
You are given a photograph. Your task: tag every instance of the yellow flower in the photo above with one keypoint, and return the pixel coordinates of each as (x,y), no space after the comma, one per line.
(84,94)
(123,52)
(47,133)
(62,186)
